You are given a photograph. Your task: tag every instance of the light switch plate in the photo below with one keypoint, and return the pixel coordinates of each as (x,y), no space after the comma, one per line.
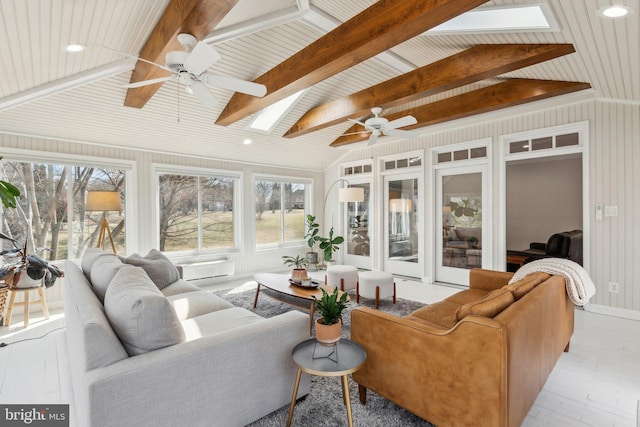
(599,210)
(610,211)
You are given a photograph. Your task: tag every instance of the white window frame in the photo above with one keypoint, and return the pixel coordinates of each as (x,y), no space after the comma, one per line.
(163,169)
(307,203)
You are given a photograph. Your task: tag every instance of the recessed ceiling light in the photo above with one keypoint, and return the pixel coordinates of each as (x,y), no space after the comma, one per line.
(615,11)
(247,141)
(75,47)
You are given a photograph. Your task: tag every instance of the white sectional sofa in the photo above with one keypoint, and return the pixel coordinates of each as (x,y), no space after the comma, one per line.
(146,353)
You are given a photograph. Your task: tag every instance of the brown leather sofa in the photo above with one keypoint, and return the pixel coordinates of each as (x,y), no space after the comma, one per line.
(478,358)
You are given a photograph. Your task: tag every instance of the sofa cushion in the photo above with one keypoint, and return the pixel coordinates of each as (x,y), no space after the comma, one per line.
(89,258)
(159,268)
(489,306)
(180,286)
(467,295)
(218,321)
(103,271)
(522,287)
(141,316)
(192,304)
(441,313)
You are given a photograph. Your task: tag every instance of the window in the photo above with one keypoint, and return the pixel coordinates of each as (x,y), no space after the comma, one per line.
(51,217)
(196,212)
(280,211)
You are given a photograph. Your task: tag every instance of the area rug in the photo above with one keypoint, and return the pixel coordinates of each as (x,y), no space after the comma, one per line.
(323,406)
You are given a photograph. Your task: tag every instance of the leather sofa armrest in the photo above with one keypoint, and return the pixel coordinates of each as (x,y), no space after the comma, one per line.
(488,280)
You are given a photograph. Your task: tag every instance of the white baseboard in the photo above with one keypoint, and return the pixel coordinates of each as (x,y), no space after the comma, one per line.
(613,311)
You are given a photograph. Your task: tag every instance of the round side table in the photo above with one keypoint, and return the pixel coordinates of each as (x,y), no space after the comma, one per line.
(339,360)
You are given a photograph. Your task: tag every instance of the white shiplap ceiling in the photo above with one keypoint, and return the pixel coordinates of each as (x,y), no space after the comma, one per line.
(47,92)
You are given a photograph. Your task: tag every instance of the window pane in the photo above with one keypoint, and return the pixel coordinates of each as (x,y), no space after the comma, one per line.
(542,143)
(479,152)
(518,147)
(461,155)
(178,212)
(217,212)
(444,157)
(44,224)
(268,219)
(567,140)
(294,220)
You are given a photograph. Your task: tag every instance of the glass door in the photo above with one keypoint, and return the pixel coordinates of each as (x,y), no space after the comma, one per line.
(358,236)
(403,254)
(462,243)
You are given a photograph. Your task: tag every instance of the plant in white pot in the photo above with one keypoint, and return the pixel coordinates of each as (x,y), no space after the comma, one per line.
(330,307)
(299,264)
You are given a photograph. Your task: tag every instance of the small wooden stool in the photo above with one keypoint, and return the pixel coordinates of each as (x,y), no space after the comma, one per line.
(343,277)
(376,284)
(26,303)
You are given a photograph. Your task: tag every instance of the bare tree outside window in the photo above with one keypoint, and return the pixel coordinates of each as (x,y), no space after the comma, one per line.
(41,216)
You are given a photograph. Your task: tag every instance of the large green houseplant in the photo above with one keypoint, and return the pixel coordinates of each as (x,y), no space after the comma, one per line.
(330,244)
(313,228)
(330,307)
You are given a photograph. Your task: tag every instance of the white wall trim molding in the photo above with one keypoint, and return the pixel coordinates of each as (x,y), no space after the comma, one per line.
(619,101)
(613,311)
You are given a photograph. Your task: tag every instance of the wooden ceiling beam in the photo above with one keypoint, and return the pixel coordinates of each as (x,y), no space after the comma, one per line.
(472,65)
(503,95)
(383,25)
(195,17)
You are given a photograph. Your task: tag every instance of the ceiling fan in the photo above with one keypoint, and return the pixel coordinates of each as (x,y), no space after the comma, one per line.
(188,67)
(380,126)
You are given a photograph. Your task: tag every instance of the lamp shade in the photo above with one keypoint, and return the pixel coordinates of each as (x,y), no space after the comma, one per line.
(103,201)
(400,205)
(351,194)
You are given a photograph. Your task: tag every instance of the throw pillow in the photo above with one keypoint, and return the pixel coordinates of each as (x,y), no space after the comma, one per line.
(489,306)
(522,287)
(141,316)
(89,258)
(103,271)
(159,268)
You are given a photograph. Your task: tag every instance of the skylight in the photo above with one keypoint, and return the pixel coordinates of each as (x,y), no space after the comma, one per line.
(268,118)
(517,18)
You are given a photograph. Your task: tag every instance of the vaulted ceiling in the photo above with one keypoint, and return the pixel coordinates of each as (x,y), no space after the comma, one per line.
(350,55)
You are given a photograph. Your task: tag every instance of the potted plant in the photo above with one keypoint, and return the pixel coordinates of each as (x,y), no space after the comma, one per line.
(299,265)
(329,324)
(313,228)
(329,245)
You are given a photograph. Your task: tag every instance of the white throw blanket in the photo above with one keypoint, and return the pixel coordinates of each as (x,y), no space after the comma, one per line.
(580,288)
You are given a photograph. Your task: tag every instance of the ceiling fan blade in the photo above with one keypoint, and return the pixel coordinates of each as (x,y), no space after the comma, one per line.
(356,133)
(201,57)
(236,85)
(203,94)
(402,133)
(148,82)
(357,121)
(373,138)
(402,122)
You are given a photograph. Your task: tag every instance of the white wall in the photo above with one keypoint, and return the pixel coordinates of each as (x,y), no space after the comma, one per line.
(614,179)
(544,197)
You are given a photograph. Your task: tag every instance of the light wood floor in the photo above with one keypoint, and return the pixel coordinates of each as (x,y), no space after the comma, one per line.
(596,384)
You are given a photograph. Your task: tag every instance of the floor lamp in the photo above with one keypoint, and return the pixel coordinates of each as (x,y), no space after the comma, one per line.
(104,201)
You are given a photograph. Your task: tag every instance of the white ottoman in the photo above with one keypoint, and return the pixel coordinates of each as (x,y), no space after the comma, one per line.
(344,277)
(376,284)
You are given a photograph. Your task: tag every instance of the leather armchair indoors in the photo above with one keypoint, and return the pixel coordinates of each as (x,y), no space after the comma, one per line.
(567,244)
